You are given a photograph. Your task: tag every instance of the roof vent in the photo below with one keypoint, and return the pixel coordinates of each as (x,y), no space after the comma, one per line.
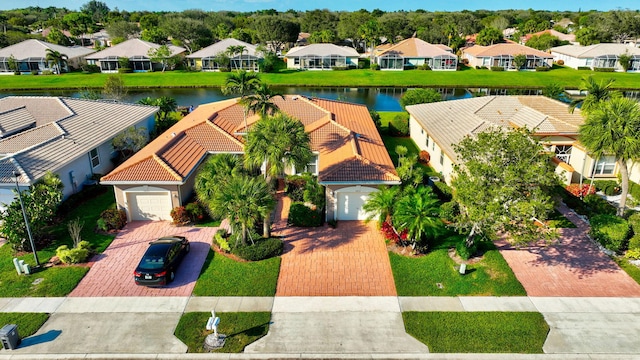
(173,134)
(295,97)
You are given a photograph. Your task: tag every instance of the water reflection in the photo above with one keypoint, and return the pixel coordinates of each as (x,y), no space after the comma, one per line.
(379,99)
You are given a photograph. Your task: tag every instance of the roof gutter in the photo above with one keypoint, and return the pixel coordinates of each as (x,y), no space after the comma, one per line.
(392,182)
(141,183)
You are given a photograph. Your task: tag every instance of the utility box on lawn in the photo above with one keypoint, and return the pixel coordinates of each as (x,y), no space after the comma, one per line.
(9,337)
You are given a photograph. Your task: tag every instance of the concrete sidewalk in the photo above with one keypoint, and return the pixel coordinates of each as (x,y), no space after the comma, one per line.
(315,327)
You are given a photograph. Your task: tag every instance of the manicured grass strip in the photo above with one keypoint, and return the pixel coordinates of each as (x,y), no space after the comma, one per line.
(222,276)
(28,323)
(478,332)
(56,281)
(60,280)
(467,77)
(629,268)
(241,328)
(387,116)
(420,276)
(558,221)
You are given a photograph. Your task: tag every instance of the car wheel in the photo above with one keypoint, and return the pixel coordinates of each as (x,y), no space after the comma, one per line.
(172,276)
(187,248)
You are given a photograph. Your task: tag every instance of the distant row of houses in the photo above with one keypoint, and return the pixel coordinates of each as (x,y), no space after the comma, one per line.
(30,56)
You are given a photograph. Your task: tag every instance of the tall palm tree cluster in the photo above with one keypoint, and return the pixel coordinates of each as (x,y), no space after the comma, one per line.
(56,60)
(611,128)
(227,184)
(410,208)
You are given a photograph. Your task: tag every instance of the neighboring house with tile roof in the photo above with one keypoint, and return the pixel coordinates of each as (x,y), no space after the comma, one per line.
(70,137)
(31,56)
(414,52)
(321,57)
(205,59)
(136,50)
(561,36)
(350,158)
(604,55)
(437,127)
(501,55)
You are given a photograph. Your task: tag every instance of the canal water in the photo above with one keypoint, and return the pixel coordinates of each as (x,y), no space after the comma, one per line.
(379,99)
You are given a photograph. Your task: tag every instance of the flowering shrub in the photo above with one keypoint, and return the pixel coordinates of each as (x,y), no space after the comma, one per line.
(390,234)
(581,191)
(180,215)
(424,157)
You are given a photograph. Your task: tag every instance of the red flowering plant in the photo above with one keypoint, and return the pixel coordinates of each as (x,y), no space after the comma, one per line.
(390,233)
(581,191)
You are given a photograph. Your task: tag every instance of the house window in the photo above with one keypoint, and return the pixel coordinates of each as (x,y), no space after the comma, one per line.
(589,62)
(605,166)
(563,153)
(433,145)
(312,167)
(427,142)
(441,158)
(95,158)
(296,61)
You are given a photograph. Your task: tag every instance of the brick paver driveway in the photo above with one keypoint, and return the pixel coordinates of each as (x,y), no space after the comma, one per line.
(111,273)
(350,260)
(572,267)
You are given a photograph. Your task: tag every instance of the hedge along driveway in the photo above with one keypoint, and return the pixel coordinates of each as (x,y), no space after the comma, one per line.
(566,77)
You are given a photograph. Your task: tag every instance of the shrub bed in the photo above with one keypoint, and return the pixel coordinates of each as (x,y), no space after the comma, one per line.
(399,126)
(302,215)
(598,205)
(543,68)
(262,249)
(584,68)
(608,187)
(610,231)
(497,68)
(112,219)
(604,69)
(443,191)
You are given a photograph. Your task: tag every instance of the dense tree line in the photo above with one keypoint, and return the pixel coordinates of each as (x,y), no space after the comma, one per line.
(195,29)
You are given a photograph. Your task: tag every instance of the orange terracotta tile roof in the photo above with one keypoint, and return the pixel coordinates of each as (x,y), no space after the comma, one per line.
(416,48)
(350,148)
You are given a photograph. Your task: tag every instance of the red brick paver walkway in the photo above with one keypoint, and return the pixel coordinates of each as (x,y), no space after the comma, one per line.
(111,273)
(572,267)
(350,260)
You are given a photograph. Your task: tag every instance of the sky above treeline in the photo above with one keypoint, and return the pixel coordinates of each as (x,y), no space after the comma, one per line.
(335,5)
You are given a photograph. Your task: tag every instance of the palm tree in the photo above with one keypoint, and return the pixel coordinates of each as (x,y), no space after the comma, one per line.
(596,92)
(241,83)
(419,213)
(277,142)
(213,173)
(613,128)
(240,49)
(380,203)
(57,59)
(261,102)
(242,199)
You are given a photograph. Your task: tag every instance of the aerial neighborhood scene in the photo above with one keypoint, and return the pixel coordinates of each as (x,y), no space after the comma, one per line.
(258,180)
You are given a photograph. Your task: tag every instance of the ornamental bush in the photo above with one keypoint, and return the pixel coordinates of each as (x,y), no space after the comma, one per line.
(542,68)
(262,249)
(390,234)
(179,215)
(634,222)
(399,126)
(598,205)
(442,191)
(604,69)
(464,251)
(584,68)
(560,62)
(112,219)
(581,191)
(302,215)
(76,255)
(608,187)
(634,242)
(610,231)
(497,68)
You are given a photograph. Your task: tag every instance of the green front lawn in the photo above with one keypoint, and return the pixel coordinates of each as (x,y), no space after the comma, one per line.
(28,323)
(478,332)
(59,280)
(222,276)
(241,329)
(629,268)
(564,76)
(434,274)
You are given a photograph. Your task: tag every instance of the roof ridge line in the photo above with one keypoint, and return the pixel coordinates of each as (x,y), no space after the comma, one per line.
(377,166)
(224,133)
(162,163)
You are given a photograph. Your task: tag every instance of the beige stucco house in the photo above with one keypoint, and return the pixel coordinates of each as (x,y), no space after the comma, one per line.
(31,56)
(603,55)
(321,57)
(502,55)
(414,52)
(437,127)
(205,59)
(136,50)
(350,158)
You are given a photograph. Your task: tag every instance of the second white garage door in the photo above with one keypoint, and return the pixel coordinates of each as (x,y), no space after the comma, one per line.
(149,205)
(350,202)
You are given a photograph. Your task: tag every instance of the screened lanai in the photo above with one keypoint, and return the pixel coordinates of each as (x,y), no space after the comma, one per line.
(109,63)
(244,62)
(140,63)
(605,61)
(32,64)
(318,62)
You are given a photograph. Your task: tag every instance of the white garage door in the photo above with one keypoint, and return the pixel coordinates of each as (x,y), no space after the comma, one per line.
(350,204)
(150,205)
